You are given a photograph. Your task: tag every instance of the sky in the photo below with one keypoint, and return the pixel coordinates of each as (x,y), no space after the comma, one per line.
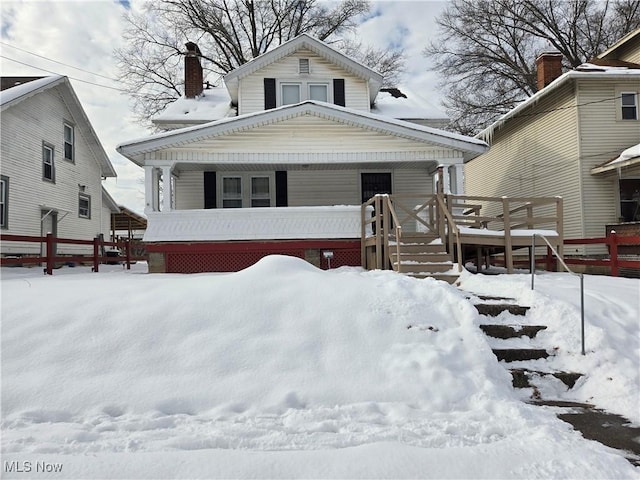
(254,375)
(77,39)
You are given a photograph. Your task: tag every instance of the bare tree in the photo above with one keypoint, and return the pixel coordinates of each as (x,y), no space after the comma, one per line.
(229,33)
(486,49)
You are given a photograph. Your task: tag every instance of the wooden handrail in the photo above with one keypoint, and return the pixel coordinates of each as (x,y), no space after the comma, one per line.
(453,228)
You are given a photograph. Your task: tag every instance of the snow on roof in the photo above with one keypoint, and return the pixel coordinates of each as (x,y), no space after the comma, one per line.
(628,157)
(583,71)
(26,89)
(409,105)
(214,104)
(164,139)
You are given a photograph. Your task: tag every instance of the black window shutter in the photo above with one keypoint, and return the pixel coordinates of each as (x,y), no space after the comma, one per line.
(269,93)
(282,199)
(209,189)
(338,92)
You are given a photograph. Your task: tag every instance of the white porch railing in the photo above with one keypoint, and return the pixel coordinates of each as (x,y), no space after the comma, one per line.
(275,223)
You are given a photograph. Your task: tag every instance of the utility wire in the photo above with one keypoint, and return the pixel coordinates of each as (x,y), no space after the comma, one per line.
(55,61)
(56,73)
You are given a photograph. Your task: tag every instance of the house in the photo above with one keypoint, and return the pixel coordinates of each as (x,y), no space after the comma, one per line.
(281,159)
(52,166)
(561,141)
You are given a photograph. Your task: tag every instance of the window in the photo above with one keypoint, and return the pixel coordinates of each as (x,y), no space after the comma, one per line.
(232,192)
(4,202)
(68,142)
(629,106)
(48,171)
(260,195)
(319,92)
(290,93)
(84,205)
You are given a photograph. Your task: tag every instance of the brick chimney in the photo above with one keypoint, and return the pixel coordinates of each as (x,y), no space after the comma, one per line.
(549,65)
(192,71)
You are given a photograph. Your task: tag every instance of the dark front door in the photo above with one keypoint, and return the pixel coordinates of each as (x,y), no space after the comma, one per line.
(374,183)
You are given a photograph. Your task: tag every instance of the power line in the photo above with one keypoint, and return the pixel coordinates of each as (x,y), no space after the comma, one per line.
(56,73)
(56,61)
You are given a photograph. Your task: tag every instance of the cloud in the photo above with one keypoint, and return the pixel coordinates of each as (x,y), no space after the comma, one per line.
(84,34)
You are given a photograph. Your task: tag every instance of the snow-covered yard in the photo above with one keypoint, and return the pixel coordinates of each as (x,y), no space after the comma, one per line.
(286,371)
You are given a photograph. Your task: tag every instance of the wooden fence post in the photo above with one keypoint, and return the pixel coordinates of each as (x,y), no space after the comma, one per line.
(549,263)
(508,248)
(50,256)
(613,252)
(127,247)
(96,252)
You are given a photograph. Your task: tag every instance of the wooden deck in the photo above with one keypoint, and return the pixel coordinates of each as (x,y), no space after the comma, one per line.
(465,227)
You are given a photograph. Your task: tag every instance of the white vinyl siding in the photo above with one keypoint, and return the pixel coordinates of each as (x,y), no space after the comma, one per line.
(189,191)
(25,126)
(251,88)
(313,135)
(603,136)
(535,155)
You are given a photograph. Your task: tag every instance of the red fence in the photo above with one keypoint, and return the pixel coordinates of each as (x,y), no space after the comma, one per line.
(50,259)
(614,262)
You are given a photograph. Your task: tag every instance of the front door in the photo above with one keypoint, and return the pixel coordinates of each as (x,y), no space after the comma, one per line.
(374,184)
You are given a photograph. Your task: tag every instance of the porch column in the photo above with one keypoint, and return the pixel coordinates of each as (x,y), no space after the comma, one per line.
(149,177)
(166,189)
(459,179)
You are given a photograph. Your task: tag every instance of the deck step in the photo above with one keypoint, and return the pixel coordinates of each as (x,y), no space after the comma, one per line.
(522,377)
(519,354)
(421,257)
(445,277)
(420,248)
(495,309)
(422,267)
(511,331)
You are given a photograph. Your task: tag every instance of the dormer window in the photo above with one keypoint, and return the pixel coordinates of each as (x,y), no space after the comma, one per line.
(290,93)
(303,66)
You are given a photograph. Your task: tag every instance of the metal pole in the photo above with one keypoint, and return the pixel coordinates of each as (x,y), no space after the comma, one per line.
(533,261)
(582,309)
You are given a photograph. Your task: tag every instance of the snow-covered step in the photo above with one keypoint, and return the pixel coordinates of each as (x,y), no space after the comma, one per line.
(519,354)
(415,267)
(495,309)
(525,378)
(450,278)
(511,331)
(422,257)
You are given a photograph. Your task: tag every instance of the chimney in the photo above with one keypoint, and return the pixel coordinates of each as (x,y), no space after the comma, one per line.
(192,71)
(549,65)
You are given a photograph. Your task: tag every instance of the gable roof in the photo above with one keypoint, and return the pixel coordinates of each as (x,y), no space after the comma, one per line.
(304,41)
(631,36)
(14,95)
(135,149)
(585,71)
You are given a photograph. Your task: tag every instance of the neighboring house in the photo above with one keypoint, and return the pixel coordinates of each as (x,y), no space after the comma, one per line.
(280,160)
(52,166)
(556,142)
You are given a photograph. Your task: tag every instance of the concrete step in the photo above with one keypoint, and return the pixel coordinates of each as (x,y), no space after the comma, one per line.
(511,331)
(495,309)
(522,377)
(422,257)
(519,354)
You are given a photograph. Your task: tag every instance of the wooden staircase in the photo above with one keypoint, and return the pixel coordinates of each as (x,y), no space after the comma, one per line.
(420,258)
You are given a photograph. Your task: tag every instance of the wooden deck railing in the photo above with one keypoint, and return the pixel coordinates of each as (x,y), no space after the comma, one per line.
(50,259)
(443,215)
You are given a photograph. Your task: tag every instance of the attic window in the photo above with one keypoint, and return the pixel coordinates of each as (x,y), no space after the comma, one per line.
(303,65)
